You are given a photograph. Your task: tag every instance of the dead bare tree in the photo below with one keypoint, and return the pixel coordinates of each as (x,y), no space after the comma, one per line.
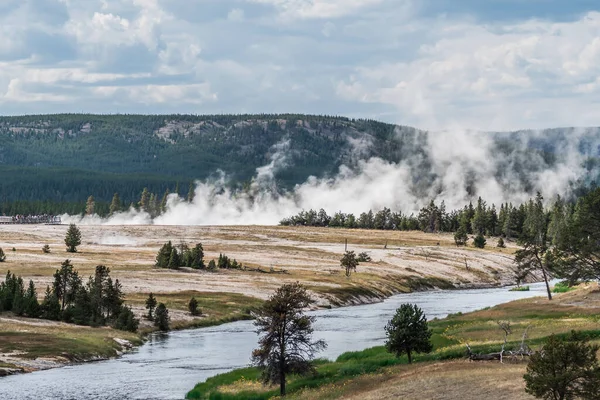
(522,351)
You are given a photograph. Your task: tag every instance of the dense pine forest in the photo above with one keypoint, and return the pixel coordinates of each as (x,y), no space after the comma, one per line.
(53,163)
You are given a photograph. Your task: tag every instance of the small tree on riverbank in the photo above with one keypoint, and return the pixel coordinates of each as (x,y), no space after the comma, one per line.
(286,346)
(161,317)
(73,238)
(407,332)
(150,306)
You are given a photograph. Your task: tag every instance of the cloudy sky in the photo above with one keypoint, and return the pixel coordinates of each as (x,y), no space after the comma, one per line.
(436,64)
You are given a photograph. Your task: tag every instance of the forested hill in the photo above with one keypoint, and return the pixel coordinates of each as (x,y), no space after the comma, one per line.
(66,158)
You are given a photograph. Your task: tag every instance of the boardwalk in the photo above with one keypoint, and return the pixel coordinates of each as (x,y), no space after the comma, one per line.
(30,220)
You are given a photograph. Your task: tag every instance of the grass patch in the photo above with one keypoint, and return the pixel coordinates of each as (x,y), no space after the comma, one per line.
(53,339)
(562,287)
(520,289)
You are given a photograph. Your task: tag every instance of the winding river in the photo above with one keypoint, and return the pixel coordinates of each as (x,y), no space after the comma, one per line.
(169,365)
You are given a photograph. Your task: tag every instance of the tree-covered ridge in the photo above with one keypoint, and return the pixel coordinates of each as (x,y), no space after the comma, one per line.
(65,158)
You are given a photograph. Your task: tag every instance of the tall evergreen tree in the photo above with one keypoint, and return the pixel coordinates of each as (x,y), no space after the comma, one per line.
(534,256)
(115,204)
(191,193)
(90,206)
(145,200)
(407,332)
(66,283)
(285,346)
(161,317)
(73,238)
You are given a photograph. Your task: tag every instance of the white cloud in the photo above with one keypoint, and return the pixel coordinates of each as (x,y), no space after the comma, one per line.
(236,15)
(317,8)
(489,78)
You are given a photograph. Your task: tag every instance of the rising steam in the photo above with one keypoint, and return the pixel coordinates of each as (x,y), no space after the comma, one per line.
(456,167)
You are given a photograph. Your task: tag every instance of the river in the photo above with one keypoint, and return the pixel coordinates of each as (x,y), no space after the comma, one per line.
(169,365)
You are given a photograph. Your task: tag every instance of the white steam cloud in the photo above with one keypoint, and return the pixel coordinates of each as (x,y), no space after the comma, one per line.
(456,167)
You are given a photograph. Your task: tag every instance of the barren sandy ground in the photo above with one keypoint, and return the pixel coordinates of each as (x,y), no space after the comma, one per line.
(309,255)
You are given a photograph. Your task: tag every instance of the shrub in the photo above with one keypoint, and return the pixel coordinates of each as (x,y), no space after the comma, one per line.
(2,255)
(479,241)
(193,307)
(46,249)
(363,257)
(126,320)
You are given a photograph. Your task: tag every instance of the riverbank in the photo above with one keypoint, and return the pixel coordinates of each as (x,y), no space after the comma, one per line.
(402,262)
(375,374)
(28,345)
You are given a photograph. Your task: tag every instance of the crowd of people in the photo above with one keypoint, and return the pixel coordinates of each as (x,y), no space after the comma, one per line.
(30,219)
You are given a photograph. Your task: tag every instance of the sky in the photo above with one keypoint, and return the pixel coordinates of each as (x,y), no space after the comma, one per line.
(433,64)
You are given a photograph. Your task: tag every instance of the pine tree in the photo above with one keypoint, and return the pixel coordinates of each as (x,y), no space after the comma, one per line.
(564,369)
(145,200)
(196,259)
(126,320)
(534,255)
(191,193)
(163,203)
(460,237)
(164,255)
(150,306)
(161,317)
(50,307)
(407,332)
(90,206)
(174,260)
(193,307)
(479,241)
(285,346)
(73,238)
(115,204)
(349,262)
(66,283)
(32,307)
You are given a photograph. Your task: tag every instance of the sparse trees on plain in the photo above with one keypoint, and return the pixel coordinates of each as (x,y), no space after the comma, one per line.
(407,332)
(73,238)
(285,346)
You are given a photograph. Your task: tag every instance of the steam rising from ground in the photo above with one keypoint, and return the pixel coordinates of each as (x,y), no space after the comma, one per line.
(456,167)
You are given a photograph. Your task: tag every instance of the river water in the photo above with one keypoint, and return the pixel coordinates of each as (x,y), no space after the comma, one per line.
(169,365)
